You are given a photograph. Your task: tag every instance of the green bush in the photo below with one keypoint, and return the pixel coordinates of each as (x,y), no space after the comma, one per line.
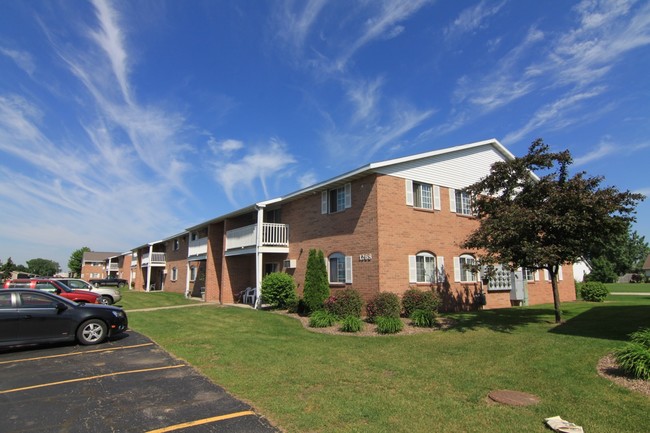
(389,325)
(416,299)
(385,304)
(351,324)
(317,286)
(279,290)
(594,291)
(423,318)
(634,357)
(344,303)
(321,319)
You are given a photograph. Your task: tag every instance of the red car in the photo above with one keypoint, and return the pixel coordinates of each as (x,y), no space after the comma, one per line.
(56,287)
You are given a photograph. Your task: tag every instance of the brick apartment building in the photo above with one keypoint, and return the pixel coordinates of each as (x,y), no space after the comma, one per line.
(384,227)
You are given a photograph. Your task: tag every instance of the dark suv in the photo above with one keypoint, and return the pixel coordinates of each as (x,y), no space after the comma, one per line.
(54,286)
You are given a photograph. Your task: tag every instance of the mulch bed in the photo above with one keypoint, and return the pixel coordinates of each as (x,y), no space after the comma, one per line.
(609,369)
(370,329)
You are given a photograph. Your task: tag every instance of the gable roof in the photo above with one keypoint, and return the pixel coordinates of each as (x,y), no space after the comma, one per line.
(376,167)
(97,256)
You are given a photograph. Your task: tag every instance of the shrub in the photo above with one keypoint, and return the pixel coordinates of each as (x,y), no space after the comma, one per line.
(317,286)
(297,306)
(385,304)
(279,289)
(321,319)
(344,303)
(594,291)
(415,299)
(634,357)
(351,324)
(423,318)
(389,325)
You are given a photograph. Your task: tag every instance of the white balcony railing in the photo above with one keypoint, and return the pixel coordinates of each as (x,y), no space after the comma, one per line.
(113,267)
(157,259)
(198,247)
(273,234)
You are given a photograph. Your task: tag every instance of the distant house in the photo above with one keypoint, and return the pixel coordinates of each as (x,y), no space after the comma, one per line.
(383,227)
(95,264)
(581,269)
(646,267)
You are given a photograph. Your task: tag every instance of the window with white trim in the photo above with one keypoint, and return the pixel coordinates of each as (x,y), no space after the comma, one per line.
(530,274)
(340,268)
(465,268)
(174,274)
(422,195)
(463,203)
(176,245)
(336,199)
(193,271)
(423,268)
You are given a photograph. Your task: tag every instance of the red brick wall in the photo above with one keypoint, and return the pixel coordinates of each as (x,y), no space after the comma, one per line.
(214,264)
(176,259)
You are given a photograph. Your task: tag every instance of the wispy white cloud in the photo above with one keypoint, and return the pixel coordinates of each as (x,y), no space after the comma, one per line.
(365,96)
(472,18)
(606,148)
(239,178)
(23,59)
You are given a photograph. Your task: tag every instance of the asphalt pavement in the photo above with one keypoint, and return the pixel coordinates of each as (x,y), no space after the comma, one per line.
(128,384)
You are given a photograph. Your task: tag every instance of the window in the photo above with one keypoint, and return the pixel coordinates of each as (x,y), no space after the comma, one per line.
(340,268)
(463,203)
(176,244)
(36,300)
(465,268)
(193,273)
(5,300)
(337,199)
(423,268)
(422,195)
(530,274)
(174,274)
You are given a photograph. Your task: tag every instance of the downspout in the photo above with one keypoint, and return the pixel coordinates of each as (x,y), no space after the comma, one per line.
(258,256)
(148,287)
(187,280)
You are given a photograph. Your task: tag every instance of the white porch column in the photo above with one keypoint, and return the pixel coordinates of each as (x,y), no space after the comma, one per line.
(148,286)
(258,256)
(187,281)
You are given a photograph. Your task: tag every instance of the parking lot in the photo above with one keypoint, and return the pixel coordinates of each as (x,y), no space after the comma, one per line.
(128,384)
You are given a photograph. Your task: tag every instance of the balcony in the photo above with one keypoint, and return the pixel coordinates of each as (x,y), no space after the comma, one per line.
(157,259)
(198,248)
(113,267)
(275,238)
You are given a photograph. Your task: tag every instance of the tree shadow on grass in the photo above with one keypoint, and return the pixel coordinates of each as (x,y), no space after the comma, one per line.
(610,322)
(501,320)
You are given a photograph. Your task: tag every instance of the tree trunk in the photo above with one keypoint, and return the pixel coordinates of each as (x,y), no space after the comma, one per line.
(553,271)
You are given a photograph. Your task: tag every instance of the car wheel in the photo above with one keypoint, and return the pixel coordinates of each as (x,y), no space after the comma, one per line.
(92,331)
(120,285)
(106,300)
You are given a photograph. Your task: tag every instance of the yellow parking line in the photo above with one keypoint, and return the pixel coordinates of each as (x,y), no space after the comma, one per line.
(81,379)
(202,421)
(75,353)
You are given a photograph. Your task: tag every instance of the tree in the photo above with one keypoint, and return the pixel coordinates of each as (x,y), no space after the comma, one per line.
(7,268)
(544,222)
(621,255)
(43,267)
(76,260)
(317,287)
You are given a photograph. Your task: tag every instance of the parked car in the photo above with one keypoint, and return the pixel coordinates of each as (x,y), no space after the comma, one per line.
(30,316)
(53,286)
(109,281)
(107,295)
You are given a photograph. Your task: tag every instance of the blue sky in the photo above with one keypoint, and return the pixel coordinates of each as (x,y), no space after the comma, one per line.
(124,122)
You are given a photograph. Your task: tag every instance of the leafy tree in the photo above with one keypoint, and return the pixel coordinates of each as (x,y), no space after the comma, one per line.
(621,255)
(602,270)
(76,260)
(7,268)
(317,287)
(544,222)
(43,267)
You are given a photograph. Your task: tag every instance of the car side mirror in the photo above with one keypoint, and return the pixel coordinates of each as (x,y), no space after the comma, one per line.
(60,307)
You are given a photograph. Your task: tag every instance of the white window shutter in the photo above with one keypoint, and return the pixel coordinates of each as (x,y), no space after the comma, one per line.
(323,202)
(412,270)
(348,269)
(348,195)
(327,268)
(442,276)
(547,277)
(409,192)
(452,199)
(537,275)
(436,197)
(456,269)
(559,274)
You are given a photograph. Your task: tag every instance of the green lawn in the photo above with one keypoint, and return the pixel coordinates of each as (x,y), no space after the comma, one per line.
(132,299)
(309,382)
(629,288)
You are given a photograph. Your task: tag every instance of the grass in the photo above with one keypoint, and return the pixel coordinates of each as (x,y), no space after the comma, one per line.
(132,299)
(629,288)
(309,382)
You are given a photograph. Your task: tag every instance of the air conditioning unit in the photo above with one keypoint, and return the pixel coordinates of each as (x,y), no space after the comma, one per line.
(290,263)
